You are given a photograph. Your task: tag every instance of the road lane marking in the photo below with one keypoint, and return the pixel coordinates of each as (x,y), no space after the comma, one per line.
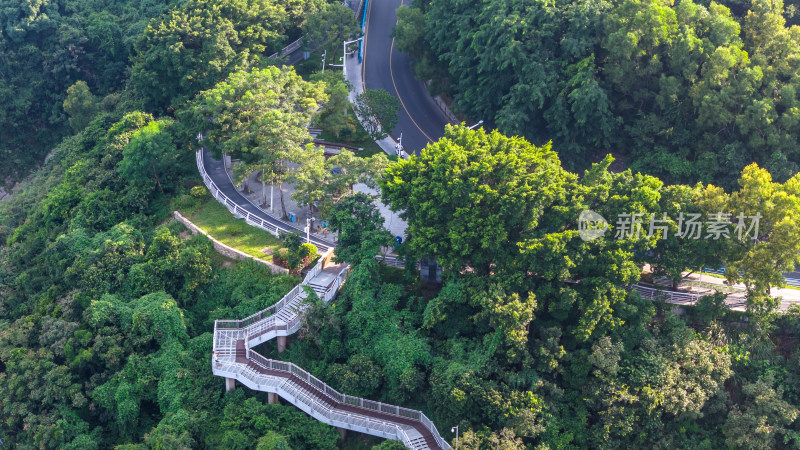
(391,73)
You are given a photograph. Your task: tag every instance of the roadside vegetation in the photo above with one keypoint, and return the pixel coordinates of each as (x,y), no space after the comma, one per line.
(686,91)
(532,340)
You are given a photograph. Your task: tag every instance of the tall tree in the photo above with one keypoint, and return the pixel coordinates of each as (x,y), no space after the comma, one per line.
(325,182)
(333,116)
(195,46)
(378,111)
(150,150)
(470,194)
(260,116)
(329,27)
(764,227)
(360,226)
(80,105)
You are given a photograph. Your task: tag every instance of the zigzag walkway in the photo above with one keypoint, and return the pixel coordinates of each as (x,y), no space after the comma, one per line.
(234,358)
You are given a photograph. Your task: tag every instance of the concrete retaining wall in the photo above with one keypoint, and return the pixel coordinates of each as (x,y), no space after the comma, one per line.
(225,250)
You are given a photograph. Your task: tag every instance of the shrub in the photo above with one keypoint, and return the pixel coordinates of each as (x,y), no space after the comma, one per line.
(199,192)
(307,250)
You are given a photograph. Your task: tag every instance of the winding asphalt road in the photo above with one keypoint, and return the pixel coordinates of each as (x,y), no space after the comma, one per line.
(216,171)
(384,67)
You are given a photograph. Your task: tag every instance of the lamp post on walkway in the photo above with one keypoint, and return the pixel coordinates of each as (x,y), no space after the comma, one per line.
(271,192)
(344,55)
(455,430)
(399,147)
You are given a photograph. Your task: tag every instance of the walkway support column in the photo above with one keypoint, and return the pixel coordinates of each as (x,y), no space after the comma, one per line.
(230,384)
(281,344)
(272,398)
(342,433)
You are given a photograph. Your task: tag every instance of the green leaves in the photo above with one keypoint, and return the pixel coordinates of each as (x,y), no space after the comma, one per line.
(151,150)
(259,114)
(470,197)
(685,91)
(195,46)
(80,105)
(379,111)
(325,182)
(360,226)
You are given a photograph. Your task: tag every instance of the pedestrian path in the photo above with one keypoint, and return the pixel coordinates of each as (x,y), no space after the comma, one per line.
(235,359)
(221,187)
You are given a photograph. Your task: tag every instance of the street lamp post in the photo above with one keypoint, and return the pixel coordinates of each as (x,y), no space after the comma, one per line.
(308,230)
(479,122)
(455,430)
(344,55)
(399,147)
(272,192)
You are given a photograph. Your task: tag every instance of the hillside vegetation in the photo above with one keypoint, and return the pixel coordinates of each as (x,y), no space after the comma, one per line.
(687,91)
(533,339)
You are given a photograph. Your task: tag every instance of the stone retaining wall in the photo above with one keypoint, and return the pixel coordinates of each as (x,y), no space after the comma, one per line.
(225,250)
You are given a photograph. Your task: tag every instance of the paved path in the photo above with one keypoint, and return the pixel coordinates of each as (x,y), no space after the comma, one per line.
(216,171)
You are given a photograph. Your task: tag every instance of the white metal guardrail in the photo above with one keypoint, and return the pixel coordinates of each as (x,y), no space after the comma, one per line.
(285,318)
(795,282)
(288,49)
(238,211)
(682,298)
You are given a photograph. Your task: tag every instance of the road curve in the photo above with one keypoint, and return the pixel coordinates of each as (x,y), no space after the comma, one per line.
(384,67)
(216,171)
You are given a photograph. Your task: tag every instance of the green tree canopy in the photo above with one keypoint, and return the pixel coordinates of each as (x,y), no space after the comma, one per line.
(195,46)
(378,111)
(260,116)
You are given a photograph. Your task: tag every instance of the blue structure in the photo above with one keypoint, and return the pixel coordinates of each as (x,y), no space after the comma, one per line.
(363,21)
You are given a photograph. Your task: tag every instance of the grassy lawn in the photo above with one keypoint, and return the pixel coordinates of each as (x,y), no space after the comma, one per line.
(214,219)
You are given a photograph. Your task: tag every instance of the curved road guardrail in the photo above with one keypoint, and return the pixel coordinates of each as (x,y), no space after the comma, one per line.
(253,216)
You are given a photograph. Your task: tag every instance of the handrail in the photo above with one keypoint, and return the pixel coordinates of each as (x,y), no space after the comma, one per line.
(316,405)
(236,210)
(286,315)
(269,318)
(288,49)
(323,388)
(670,296)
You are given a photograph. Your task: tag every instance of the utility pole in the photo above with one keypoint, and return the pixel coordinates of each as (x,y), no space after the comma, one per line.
(324,54)
(308,230)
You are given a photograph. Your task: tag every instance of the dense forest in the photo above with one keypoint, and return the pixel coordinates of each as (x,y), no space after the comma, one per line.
(682,90)
(48,46)
(531,341)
